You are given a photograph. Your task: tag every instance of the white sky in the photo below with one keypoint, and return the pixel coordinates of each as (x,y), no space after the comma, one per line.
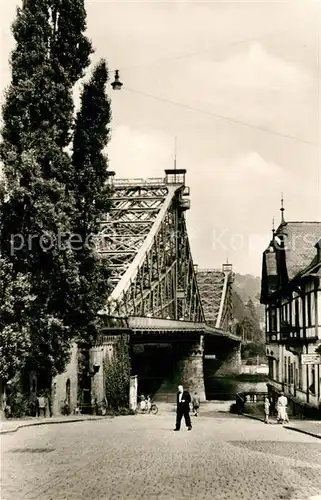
(254,62)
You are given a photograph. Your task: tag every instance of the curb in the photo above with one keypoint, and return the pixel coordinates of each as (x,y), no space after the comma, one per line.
(318,436)
(253,417)
(50,422)
(296,429)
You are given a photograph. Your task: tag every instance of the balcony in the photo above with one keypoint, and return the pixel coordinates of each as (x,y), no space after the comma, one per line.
(272,351)
(290,334)
(271,337)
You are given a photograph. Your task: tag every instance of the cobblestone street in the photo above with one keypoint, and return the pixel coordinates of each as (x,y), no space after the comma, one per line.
(223,457)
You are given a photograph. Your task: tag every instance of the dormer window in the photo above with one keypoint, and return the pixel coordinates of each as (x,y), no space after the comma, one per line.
(281,241)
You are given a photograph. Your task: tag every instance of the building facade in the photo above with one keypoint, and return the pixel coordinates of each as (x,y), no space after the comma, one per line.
(291,293)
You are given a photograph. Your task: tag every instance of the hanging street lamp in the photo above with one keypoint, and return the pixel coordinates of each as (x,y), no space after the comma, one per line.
(117,84)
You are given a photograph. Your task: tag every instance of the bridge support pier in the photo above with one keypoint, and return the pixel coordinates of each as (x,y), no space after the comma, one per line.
(191,369)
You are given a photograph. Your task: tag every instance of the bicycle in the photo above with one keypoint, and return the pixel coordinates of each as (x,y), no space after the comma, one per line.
(145,410)
(101,408)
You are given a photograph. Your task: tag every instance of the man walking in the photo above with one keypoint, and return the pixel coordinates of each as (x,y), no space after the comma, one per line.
(183,402)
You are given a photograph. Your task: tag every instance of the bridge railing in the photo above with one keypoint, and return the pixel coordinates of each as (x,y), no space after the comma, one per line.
(203,271)
(139,181)
(249,397)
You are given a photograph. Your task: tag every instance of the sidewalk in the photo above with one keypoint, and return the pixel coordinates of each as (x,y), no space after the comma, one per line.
(310,427)
(12,425)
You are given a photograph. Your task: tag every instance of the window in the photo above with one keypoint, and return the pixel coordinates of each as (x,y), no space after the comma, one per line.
(297,313)
(284,313)
(312,386)
(272,320)
(309,310)
(68,391)
(290,371)
(290,312)
(300,375)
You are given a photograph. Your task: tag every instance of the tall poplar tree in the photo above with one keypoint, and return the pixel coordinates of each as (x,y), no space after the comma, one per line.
(38,210)
(92,198)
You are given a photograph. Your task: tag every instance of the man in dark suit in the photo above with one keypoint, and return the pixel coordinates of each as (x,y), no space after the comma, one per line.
(183,402)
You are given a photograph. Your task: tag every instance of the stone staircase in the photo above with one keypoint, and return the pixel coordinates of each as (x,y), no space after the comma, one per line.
(165,397)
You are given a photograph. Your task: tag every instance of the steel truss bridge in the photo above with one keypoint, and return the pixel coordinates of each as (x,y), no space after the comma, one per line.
(156,288)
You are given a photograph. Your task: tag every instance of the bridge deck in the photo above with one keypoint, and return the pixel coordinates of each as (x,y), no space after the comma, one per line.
(144,324)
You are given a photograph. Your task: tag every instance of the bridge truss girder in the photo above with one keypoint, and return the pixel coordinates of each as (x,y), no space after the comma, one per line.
(226,322)
(165,284)
(135,206)
(215,288)
(146,242)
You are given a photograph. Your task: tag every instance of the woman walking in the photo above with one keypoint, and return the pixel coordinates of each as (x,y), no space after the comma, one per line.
(266,410)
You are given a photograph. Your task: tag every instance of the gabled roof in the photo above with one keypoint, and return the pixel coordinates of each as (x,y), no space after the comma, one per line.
(300,239)
(315,265)
(285,263)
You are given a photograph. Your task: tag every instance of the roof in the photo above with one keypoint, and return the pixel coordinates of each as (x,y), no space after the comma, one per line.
(294,252)
(300,240)
(315,264)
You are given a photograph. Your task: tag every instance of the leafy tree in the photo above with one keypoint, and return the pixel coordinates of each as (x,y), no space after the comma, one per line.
(238,307)
(252,349)
(92,199)
(38,209)
(117,376)
(14,338)
(250,324)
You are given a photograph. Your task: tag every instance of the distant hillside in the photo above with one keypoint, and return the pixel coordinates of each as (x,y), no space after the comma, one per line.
(247,287)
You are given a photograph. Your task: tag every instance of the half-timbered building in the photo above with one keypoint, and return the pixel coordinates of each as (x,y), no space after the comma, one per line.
(291,292)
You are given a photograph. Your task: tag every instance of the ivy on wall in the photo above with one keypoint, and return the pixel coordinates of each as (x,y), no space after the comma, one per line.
(117,376)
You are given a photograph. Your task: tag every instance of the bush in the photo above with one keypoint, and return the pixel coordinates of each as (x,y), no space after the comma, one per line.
(20,406)
(254,408)
(125,411)
(233,408)
(111,412)
(117,376)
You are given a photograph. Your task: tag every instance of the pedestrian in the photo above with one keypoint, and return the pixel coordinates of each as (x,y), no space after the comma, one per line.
(48,398)
(196,403)
(266,410)
(148,404)
(182,408)
(142,403)
(282,404)
(41,404)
